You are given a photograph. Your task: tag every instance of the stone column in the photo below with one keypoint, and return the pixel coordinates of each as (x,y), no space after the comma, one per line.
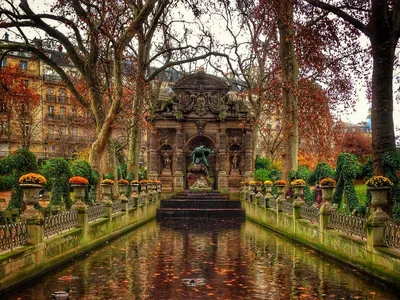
(248,155)
(35,228)
(152,155)
(376,222)
(83,218)
(179,161)
(178,181)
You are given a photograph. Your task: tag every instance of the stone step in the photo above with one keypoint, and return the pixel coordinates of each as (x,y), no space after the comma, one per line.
(204,203)
(226,213)
(200,196)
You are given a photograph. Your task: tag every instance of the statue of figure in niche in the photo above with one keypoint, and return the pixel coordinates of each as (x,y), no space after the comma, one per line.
(199,155)
(167,160)
(235,160)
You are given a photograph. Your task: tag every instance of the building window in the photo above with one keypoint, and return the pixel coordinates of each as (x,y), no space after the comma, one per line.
(4,62)
(63,111)
(25,83)
(23,64)
(73,112)
(3,107)
(3,128)
(50,111)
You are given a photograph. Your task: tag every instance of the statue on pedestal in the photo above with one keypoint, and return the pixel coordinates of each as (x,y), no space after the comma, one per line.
(167,160)
(199,155)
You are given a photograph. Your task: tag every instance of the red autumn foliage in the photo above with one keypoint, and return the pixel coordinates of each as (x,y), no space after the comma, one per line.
(357,143)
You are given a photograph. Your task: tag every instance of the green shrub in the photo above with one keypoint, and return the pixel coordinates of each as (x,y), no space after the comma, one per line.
(322,170)
(22,161)
(109,175)
(347,169)
(57,171)
(302,173)
(7,182)
(263,163)
(262,174)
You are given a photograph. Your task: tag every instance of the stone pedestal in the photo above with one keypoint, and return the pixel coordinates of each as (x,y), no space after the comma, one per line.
(178,181)
(222,181)
(83,220)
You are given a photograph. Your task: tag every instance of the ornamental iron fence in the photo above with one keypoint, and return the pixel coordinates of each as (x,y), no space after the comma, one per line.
(96,212)
(351,225)
(392,235)
(131,203)
(287,207)
(13,235)
(117,206)
(272,203)
(60,222)
(310,213)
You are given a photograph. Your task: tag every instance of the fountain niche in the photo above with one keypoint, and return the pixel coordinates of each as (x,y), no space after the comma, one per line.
(201,113)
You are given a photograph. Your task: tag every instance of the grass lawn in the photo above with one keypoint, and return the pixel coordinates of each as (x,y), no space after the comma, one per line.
(361,190)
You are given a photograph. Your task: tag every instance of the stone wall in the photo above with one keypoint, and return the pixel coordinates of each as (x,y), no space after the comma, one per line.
(381,262)
(26,262)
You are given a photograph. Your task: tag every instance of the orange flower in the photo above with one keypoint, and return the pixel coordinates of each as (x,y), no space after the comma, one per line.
(123,181)
(107,181)
(280,182)
(32,178)
(78,180)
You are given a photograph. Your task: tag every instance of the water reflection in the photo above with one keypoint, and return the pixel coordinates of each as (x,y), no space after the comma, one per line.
(236,261)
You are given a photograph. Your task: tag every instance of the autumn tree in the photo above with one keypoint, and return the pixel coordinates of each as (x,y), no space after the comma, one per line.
(19,105)
(95,36)
(379,21)
(264,66)
(358,144)
(163,41)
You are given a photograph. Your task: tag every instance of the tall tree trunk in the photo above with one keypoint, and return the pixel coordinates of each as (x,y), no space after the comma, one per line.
(135,139)
(290,73)
(383,137)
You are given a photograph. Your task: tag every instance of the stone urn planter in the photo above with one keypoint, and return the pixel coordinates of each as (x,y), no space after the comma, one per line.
(280,189)
(379,186)
(379,195)
(327,192)
(106,192)
(31,197)
(31,184)
(135,190)
(79,192)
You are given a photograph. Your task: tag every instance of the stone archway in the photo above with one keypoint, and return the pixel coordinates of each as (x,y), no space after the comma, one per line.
(194,142)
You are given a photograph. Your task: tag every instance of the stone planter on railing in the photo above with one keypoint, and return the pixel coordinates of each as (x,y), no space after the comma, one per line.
(280,198)
(30,198)
(106,192)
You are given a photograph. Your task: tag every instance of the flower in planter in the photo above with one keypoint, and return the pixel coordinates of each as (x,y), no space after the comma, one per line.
(123,182)
(78,180)
(327,182)
(246,182)
(252,182)
(378,181)
(134,181)
(280,182)
(298,182)
(32,178)
(258,182)
(107,182)
(268,183)
(143,181)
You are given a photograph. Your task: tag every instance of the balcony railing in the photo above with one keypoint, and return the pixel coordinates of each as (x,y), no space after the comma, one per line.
(62,99)
(56,117)
(51,98)
(52,78)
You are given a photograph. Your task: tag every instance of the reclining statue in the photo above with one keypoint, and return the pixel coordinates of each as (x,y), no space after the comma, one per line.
(199,155)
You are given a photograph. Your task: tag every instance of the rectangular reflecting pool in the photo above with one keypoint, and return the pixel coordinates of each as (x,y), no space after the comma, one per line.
(204,259)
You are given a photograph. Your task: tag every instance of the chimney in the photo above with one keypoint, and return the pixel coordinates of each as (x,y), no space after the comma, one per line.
(6,36)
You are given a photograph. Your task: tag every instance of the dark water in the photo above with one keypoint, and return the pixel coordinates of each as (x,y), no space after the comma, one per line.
(235,261)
